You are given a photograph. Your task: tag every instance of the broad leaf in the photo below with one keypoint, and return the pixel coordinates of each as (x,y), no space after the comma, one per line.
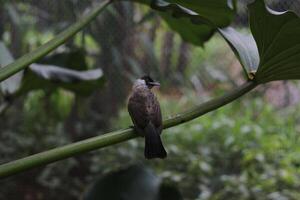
(244,47)
(217,12)
(12,84)
(277,36)
(133,183)
(50,77)
(195,21)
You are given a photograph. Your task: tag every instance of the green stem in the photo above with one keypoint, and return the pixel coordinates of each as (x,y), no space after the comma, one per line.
(43,50)
(210,105)
(115,137)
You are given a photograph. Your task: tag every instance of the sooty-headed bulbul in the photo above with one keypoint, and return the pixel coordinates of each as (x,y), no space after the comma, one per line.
(144,110)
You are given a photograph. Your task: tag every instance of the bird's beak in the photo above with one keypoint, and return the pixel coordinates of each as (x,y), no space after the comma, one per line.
(154,84)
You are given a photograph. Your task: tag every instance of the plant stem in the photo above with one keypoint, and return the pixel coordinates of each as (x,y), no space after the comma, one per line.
(210,105)
(43,50)
(115,137)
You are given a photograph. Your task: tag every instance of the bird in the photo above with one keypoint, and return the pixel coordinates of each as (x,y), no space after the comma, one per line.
(145,113)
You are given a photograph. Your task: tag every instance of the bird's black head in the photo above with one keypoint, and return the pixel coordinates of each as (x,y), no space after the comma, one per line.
(149,81)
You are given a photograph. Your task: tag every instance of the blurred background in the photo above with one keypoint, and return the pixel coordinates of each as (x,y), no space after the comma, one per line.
(249,149)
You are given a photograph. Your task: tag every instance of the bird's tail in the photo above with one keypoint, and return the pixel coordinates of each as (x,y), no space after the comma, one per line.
(153,144)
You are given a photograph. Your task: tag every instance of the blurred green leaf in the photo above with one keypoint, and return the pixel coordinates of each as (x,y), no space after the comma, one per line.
(134,183)
(12,84)
(195,21)
(59,39)
(49,77)
(169,191)
(277,36)
(75,58)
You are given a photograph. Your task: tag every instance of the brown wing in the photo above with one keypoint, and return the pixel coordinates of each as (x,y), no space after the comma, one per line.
(138,112)
(154,112)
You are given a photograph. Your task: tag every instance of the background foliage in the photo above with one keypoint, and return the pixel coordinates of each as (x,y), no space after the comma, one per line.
(246,150)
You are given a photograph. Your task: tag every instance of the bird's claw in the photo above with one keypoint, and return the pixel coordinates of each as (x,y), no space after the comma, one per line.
(137,131)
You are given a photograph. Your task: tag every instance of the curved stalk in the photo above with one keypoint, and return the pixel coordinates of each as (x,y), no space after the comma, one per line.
(115,137)
(43,50)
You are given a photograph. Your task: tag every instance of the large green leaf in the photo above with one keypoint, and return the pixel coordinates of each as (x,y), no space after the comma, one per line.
(49,77)
(274,54)
(244,47)
(12,84)
(134,183)
(195,21)
(277,36)
(217,12)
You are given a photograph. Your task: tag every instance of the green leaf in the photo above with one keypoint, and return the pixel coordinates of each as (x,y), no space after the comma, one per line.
(217,12)
(189,32)
(12,84)
(195,21)
(43,50)
(244,47)
(75,58)
(132,183)
(169,191)
(277,36)
(50,77)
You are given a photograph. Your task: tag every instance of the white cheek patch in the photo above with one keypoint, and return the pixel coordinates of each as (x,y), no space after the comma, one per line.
(141,82)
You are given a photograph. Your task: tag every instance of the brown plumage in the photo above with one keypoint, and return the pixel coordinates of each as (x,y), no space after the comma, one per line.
(144,110)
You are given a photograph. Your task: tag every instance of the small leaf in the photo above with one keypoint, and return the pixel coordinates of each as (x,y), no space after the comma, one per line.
(278,40)
(244,47)
(12,84)
(50,77)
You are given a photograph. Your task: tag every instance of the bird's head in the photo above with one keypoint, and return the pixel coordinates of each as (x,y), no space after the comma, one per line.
(150,83)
